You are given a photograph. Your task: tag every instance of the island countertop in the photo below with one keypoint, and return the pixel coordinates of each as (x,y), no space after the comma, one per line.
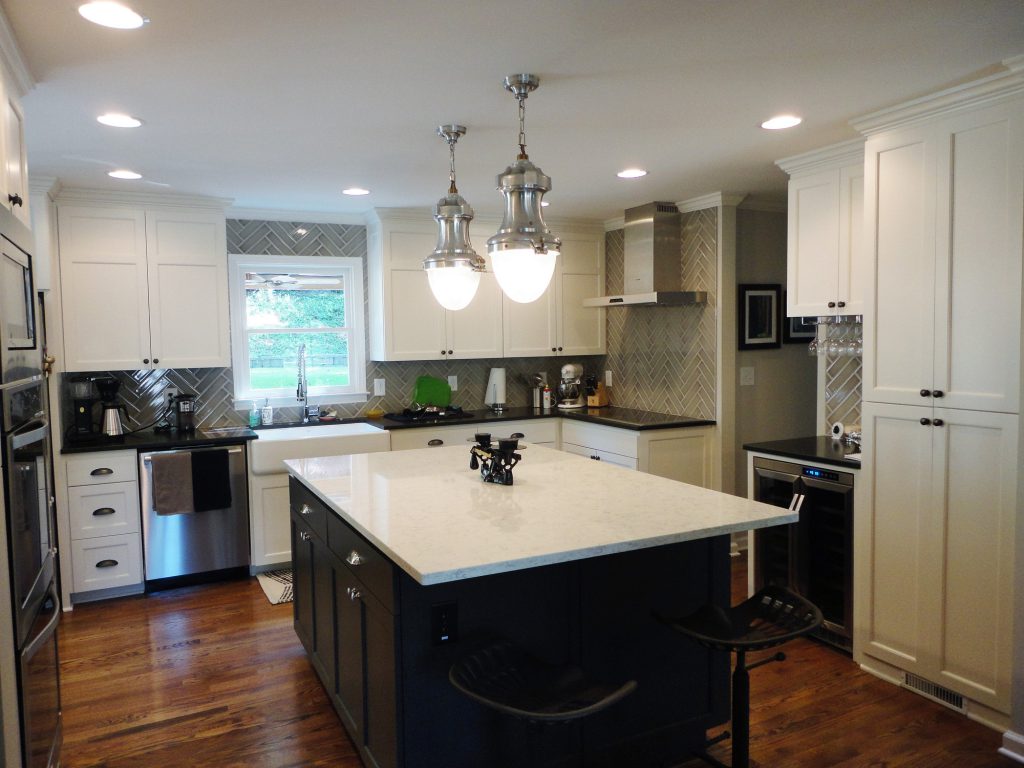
(439,522)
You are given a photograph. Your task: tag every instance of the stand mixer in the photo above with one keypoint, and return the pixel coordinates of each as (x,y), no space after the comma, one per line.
(570,389)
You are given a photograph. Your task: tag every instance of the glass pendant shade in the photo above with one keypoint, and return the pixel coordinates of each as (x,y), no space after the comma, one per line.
(453,269)
(523,252)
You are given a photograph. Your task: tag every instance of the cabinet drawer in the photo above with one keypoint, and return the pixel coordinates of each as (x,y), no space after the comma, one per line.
(103,510)
(422,437)
(532,430)
(107,561)
(308,507)
(102,467)
(601,438)
(364,560)
(629,462)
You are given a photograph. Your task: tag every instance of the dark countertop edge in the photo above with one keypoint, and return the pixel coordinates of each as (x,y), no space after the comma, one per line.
(151,441)
(523,413)
(816,450)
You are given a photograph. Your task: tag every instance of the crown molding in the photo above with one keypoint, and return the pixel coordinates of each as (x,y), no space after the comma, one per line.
(44,185)
(619,222)
(711,200)
(976,93)
(10,52)
(103,197)
(296,217)
(832,156)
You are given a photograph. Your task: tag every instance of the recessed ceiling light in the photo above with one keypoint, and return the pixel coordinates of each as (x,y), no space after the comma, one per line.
(110,14)
(781,121)
(124,174)
(355,191)
(631,173)
(117,120)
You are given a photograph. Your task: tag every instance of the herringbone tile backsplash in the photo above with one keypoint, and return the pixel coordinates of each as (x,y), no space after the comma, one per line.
(843,383)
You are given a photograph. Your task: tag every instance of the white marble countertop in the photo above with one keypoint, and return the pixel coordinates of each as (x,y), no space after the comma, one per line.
(438,521)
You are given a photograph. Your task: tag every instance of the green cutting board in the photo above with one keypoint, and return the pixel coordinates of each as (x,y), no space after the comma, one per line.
(430,390)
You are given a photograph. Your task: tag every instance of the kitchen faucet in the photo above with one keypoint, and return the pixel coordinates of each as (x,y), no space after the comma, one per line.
(302,391)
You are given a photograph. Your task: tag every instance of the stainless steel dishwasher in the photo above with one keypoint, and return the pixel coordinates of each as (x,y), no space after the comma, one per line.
(189,542)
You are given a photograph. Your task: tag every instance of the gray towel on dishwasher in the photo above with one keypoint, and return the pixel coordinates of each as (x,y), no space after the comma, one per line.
(172,483)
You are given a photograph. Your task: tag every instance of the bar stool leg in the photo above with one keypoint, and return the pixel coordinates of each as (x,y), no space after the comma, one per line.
(741,713)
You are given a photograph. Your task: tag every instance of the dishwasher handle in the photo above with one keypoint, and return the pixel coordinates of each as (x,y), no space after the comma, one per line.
(148,457)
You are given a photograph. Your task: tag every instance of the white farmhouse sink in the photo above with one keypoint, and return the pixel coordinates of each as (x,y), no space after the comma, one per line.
(274,446)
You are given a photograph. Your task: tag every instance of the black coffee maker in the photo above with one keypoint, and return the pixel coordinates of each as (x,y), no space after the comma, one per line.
(83,398)
(185,409)
(108,387)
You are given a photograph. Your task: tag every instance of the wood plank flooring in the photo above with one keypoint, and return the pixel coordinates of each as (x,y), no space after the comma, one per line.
(214,676)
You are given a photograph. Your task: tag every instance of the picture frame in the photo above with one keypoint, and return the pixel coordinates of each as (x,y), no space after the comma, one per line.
(759,316)
(799,330)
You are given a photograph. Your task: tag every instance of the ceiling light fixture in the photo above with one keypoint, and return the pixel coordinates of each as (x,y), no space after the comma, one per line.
(631,173)
(110,14)
(454,268)
(118,120)
(355,191)
(523,251)
(781,121)
(125,174)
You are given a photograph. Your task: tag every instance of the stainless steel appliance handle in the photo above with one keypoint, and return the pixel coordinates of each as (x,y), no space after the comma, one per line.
(148,457)
(800,503)
(21,439)
(44,635)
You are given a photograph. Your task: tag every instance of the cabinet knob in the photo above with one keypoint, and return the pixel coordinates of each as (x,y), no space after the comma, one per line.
(842,304)
(305,535)
(353,593)
(306,510)
(15,199)
(451,352)
(925,422)
(435,442)
(831,305)
(106,563)
(938,422)
(554,349)
(354,558)
(442,353)
(155,360)
(938,393)
(559,349)
(926,393)
(145,360)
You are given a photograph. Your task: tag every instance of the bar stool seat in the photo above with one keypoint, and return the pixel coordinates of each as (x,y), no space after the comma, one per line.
(773,616)
(504,677)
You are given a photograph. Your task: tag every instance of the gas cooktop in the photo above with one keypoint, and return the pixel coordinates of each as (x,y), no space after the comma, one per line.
(430,413)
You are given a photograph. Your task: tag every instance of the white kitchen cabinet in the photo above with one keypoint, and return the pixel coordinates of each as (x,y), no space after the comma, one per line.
(15,192)
(557,323)
(944,209)
(680,453)
(826,266)
(533,431)
(143,289)
(406,322)
(933,569)
(269,529)
(104,520)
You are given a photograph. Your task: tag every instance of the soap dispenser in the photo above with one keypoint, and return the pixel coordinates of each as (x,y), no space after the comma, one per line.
(267,413)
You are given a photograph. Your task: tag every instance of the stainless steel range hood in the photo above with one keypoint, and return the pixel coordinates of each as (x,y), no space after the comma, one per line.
(652,274)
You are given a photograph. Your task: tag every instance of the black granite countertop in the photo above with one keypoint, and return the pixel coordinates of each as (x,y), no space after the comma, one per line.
(820,450)
(625,418)
(149,440)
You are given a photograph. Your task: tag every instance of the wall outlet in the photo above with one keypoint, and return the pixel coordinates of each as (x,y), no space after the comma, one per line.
(444,623)
(378,387)
(453,382)
(747,376)
(607,378)
(169,394)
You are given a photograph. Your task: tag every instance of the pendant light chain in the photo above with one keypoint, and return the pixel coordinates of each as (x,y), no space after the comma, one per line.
(522,126)
(452,189)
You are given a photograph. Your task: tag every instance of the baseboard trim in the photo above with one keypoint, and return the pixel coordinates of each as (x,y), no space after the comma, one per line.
(1013,746)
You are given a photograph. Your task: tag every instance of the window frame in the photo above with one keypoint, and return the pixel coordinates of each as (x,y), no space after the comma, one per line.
(350,269)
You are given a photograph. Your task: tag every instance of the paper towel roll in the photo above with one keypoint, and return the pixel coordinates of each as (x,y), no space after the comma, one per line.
(495,394)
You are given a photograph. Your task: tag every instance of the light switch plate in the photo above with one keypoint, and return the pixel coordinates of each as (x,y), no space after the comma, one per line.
(747,376)
(378,387)
(453,382)
(607,378)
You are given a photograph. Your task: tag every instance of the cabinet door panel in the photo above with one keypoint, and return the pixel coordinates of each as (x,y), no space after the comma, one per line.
(529,329)
(582,330)
(302,577)
(475,332)
(349,611)
(16,172)
(975,453)
(417,322)
(380,731)
(899,191)
(813,243)
(978,265)
(853,264)
(893,527)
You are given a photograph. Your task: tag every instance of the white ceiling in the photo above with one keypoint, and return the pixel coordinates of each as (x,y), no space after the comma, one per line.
(280,104)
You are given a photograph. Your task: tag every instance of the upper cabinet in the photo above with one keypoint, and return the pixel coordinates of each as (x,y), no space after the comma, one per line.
(407,323)
(944,207)
(825,254)
(143,288)
(14,192)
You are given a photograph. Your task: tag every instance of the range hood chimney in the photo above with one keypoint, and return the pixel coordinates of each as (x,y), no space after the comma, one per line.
(652,274)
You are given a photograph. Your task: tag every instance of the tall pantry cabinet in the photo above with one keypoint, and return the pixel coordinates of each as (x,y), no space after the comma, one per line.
(937,497)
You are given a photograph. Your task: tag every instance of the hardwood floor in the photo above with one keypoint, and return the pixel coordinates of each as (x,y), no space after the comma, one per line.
(214,676)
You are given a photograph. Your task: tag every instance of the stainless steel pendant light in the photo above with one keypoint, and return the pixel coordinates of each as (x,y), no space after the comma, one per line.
(454,268)
(523,252)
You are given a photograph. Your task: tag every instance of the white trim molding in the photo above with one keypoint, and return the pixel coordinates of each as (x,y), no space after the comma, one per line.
(838,154)
(12,57)
(105,197)
(711,200)
(1013,746)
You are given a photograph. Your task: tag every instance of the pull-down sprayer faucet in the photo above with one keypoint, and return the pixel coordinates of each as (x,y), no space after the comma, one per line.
(302,391)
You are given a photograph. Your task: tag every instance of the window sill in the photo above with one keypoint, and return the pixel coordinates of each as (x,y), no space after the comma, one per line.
(245,403)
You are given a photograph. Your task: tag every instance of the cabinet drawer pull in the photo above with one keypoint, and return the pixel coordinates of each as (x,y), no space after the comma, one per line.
(517,435)
(305,535)
(101,471)
(103,511)
(306,510)
(106,563)
(353,593)
(435,442)
(925,422)
(938,422)
(938,393)
(354,558)
(926,393)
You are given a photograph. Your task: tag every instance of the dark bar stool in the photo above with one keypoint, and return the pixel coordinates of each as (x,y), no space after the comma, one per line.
(504,677)
(771,617)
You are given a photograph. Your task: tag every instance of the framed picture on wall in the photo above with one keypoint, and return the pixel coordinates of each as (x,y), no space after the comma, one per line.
(759,310)
(799,330)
